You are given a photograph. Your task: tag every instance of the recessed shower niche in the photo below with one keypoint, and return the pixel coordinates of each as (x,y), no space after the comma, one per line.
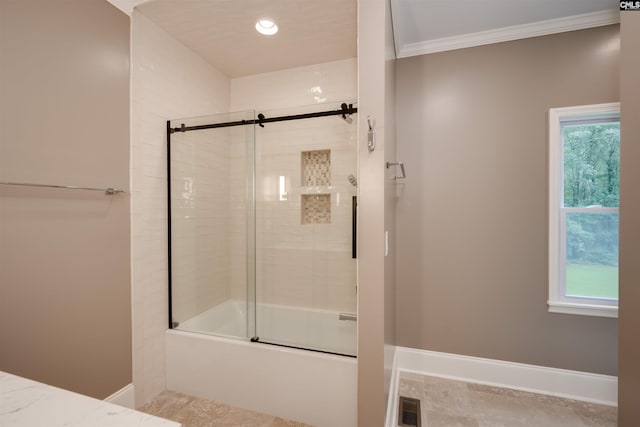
(316,172)
(316,208)
(316,168)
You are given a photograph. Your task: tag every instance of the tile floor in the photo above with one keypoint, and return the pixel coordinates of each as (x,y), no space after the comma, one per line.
(196,412)
(448,403)
(444,403)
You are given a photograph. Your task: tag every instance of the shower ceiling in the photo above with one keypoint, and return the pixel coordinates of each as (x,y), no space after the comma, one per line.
(223,31)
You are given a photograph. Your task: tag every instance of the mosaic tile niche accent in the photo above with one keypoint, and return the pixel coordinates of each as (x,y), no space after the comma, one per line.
(316,168)
(316,209)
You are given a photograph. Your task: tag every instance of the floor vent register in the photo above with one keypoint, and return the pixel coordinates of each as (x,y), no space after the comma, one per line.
(409,412)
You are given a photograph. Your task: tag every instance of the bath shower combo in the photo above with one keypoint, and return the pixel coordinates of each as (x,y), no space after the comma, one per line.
(262,220)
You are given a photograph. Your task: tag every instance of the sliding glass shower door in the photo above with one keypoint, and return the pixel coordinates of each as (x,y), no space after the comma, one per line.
(211,220)
(262,211)
(305,212)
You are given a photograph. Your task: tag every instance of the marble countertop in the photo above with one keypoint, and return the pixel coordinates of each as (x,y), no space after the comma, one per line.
(27,403)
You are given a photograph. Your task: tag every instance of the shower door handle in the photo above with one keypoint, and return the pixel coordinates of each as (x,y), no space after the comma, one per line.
(354,225)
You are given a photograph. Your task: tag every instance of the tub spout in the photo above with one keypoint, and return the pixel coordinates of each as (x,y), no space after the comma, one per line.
(349,316)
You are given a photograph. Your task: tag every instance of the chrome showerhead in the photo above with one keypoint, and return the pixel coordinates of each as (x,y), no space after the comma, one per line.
(352,179)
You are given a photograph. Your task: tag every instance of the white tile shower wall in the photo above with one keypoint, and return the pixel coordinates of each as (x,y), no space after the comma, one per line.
(298,263)
(240,175)
(167,81)
(313,84)
(200,210)
(307,265)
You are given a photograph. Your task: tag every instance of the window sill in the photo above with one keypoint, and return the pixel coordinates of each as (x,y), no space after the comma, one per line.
(583,309)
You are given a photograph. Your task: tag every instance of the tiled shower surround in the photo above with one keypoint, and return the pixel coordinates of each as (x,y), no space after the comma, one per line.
(303,243)
(209,235)
(303,225)
(200,205)
(305,265)
(169,81)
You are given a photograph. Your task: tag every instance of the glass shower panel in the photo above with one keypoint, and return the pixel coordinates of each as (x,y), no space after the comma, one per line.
(212,277)
(305,200)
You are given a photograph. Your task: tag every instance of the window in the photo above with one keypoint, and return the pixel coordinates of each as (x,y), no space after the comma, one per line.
(584,165)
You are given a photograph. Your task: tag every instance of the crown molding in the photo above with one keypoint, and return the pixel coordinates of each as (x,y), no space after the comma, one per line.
(515,32)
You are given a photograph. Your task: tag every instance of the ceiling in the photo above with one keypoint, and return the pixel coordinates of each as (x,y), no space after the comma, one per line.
(223,31)
(427,26)
(315,31)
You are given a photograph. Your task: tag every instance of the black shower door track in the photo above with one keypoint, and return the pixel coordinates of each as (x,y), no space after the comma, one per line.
(261,120)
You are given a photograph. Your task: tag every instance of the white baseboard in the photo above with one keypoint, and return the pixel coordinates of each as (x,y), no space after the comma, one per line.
(596,388)
(124,397)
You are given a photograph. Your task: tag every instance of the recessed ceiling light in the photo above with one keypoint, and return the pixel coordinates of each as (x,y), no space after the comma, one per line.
(266,27)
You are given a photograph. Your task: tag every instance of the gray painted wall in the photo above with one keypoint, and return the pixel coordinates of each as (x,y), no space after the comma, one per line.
(472,216)
(65,295)
(629,373)
(375,90)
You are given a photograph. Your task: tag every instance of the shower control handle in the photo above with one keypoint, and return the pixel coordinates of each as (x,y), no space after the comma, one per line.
(401,164)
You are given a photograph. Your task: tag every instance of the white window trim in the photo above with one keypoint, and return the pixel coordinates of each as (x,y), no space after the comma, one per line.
(558,303)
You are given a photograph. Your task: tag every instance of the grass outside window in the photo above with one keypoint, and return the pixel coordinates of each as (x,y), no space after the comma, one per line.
(598,281)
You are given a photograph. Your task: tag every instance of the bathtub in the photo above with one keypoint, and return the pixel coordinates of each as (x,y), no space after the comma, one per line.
(307,386)
(314,329)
